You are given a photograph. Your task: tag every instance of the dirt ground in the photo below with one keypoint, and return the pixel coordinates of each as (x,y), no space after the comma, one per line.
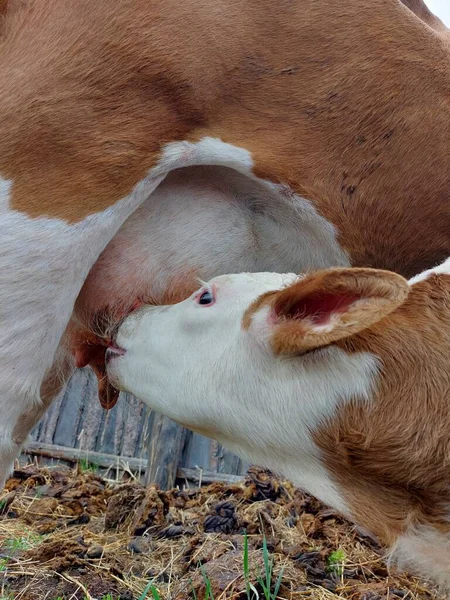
(68,534)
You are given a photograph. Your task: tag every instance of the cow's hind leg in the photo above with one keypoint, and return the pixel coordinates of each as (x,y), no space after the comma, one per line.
(22,419)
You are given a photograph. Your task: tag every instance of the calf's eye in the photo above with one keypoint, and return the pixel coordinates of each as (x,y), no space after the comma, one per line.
(206,298)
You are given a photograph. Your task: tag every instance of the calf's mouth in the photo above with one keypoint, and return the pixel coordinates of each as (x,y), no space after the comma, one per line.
(91,337)
(89,346)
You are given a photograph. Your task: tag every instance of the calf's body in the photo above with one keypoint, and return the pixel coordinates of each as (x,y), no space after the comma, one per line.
(338,379)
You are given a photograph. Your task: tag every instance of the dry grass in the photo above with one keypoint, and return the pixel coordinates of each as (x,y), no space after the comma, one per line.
(67,535)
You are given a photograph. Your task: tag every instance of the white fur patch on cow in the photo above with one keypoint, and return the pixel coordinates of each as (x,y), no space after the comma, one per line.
(208,151)
(43,264)
(442,269)
(5,193)
(317,236)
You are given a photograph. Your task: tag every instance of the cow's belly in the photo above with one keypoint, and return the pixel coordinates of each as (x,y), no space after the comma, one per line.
(200,222)
(190,227)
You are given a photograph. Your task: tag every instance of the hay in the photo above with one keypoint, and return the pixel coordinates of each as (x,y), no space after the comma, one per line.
(70,534)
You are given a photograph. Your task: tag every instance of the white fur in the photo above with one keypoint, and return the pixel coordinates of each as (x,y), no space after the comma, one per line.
(5,193)
(200,367)
(442,269)
(207,151)
(43,263)
(427,551)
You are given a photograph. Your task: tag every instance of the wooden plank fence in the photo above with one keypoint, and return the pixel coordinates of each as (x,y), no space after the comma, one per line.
(129,437)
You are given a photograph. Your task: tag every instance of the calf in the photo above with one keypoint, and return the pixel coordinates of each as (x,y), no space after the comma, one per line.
(339,379)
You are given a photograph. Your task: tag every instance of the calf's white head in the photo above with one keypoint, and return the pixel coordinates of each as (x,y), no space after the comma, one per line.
(249,359)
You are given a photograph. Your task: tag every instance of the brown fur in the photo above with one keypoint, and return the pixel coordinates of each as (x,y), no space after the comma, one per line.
(365,294)
(347,102)
(391,456)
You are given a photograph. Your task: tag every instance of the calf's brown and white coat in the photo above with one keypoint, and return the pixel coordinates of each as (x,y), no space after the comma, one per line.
(339,379)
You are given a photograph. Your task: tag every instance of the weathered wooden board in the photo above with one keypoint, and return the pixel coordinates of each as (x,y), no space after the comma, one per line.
(110,463)
(129,430)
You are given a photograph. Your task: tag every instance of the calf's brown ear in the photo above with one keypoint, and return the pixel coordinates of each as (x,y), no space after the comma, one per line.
(330,305)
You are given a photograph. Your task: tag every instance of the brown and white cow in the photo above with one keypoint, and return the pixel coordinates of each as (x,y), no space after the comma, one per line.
(339,379)
(345,104)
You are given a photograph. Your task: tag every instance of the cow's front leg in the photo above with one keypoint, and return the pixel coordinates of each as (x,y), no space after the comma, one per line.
(43,264)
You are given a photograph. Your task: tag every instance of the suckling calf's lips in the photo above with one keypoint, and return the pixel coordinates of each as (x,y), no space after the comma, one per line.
(112,352)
